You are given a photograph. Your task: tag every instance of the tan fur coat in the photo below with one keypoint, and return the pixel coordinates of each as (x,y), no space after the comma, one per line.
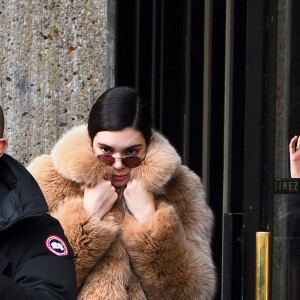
(116,257)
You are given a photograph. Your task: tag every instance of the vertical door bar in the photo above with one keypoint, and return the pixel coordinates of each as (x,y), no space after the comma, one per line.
(187,89)
(226,233)
(137,43)
(228,105)
(206,92)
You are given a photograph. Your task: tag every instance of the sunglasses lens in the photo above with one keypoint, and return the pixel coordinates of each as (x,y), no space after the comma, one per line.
(131,161)
(108,159)
(128,161)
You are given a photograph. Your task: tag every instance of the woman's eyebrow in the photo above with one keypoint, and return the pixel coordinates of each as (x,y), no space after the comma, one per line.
(104,145)
(127,148)
(133,146)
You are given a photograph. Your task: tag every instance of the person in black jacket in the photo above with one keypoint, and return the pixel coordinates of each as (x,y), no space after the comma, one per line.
(36,259)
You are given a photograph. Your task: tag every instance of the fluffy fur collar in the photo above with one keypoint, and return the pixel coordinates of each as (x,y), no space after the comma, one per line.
(73,158)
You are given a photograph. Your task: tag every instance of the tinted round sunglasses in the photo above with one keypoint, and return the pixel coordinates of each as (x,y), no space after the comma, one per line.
(131,161)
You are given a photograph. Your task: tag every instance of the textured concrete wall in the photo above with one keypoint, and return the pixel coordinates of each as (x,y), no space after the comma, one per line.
(52,68)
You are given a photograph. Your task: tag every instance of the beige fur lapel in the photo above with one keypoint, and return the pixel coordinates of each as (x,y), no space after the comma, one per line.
(73,158)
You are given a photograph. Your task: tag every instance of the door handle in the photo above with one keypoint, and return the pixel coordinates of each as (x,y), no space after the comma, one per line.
(262,265)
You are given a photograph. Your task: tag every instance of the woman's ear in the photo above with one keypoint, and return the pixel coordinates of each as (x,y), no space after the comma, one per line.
(3,146)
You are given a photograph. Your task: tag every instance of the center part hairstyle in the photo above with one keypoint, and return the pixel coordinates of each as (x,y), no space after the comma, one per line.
(118,108)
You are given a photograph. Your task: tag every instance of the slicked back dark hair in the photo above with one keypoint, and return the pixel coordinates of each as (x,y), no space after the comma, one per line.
(118,108)
(1,122)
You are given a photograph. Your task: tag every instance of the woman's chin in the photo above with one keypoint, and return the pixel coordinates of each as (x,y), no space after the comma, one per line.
(119,183)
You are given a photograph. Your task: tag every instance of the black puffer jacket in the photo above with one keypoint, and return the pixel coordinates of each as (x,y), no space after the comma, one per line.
(36,260)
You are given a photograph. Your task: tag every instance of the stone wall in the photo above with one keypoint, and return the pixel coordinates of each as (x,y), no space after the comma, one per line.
(52,68)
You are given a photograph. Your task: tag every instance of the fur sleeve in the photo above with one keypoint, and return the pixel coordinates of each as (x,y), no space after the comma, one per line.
(89,236)
(172,254)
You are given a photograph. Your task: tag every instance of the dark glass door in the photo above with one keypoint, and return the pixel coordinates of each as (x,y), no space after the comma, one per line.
(286,233)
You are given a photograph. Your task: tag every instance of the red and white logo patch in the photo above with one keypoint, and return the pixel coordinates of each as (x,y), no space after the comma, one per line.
(56,245)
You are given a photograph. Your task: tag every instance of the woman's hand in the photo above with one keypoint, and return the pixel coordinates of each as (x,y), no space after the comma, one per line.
(295,157)
(99,199)
(140,201)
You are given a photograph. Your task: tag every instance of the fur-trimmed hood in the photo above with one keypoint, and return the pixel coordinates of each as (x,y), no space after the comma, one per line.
(73,158)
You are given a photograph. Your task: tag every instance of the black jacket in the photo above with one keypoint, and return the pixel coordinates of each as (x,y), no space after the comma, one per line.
(36,259)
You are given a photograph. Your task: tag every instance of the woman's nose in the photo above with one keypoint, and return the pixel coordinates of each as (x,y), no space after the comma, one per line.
(118,164)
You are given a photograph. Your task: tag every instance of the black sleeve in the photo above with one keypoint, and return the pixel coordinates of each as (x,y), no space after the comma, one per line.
(42,263)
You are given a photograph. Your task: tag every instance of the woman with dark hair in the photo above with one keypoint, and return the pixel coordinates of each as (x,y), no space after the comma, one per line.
(136,218)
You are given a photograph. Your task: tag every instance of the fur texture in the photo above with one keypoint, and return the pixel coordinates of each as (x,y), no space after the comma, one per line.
(117,258)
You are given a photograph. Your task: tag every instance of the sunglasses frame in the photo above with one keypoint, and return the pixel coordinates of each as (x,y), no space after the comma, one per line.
(101,156)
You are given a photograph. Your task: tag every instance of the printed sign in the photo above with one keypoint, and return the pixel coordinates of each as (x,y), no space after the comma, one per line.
(287,186)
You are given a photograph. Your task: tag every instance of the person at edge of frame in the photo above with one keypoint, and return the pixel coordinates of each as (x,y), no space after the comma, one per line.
(36,259)
(137,219)
(294,149)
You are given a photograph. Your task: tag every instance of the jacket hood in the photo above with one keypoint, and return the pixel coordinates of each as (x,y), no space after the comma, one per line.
(20,195)
(73,158)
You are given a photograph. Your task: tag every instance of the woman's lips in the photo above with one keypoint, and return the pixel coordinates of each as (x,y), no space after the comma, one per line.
(119,177)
